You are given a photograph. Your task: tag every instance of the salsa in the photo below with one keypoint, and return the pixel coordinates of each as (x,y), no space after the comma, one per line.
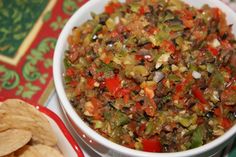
(154,75)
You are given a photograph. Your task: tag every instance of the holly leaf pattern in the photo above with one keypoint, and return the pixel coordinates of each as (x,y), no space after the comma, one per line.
(58,24)
(27,91)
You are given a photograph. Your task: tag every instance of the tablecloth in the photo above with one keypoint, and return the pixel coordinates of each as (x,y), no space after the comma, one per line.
(28,33)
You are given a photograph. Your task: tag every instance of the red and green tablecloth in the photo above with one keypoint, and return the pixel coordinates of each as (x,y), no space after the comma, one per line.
(28,33)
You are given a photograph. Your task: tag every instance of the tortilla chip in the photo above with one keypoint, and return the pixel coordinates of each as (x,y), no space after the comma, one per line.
(18,114)
(38,151)
(10,155)
(13,139)
(27,151)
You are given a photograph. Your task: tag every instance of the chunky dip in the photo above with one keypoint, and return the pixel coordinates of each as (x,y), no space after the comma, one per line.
(154,75)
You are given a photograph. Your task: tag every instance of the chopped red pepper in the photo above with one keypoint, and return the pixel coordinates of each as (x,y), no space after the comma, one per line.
(90,83)
(179,88)
(141,10)
(168,46)
(138,106)
(226,44)
(151,145)
(213,50)
(70,72)
(112,7)
(114,34)
(233,88)
(201,106)
(226,123)
(141,129)
(200,120)
(217,112)
(113,84)
(216,13)
(199,95)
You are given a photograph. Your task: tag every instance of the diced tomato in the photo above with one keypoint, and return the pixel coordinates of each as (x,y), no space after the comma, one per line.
(107,60)
(151,145)
(149,92)
(123,92)
(179,88)
(111,8)
(141,129)
(187,14)
(141,10)
(226,44)
(96,103)
(217,112)
(74,83)
(168,46)
(126,98)
(114,34)
(213,50)
(150,108)
(113,84)
(138,106)
(200,120)
(138,57)
(226,123)
(152,30)
(233,88)
(90,83)
(201,106)
(228,70)
(199,95)
(216,13)
(188,23)
(70,72)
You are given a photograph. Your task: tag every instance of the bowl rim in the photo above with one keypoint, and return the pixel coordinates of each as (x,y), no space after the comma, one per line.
(57,74)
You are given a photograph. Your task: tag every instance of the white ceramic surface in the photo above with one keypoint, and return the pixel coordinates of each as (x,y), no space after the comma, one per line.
(96,141)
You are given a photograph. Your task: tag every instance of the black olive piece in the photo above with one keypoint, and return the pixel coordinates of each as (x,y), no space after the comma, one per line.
(151,8)
(159,106)
(116,71)
(110,104)
(142,62)
(74,28)
(73,103)
(232,115)
(136,92)
(125,109)
(224,36)
(209,114)
(141,102)
(101,90)
(110,43)
(95,37)
(103,18)
(125,35)
(165,148)
(146,116)
(89,73)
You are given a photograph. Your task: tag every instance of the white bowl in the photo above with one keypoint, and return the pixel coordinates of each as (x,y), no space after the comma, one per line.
(100,144)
